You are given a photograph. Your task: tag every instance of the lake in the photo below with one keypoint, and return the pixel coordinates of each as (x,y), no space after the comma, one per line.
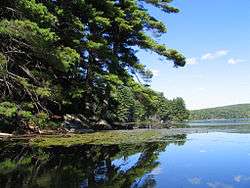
(216,158)
(219,122)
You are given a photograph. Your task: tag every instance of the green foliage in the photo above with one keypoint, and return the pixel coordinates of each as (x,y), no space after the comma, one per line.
(37,11)
(7,165)
(25,114)
(41,119)
(28,31)
(79,57)
(179,112)
(126,104)
(3,64)
(66,58)
(137,103)
(8,109)
(12,115)
(43,91)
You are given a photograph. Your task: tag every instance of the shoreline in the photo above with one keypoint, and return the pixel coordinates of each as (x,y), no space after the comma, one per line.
(110,137)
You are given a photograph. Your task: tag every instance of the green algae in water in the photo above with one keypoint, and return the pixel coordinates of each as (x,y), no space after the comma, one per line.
(98,138)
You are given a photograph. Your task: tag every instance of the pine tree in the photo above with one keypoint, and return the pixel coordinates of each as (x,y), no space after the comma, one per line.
(61,56)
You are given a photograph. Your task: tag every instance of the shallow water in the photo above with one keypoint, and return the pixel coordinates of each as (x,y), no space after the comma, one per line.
(217,159)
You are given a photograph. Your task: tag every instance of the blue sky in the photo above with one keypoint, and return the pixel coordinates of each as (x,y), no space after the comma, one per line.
(214,36)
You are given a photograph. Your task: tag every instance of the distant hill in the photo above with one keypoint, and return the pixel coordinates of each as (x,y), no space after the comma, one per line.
(225,112)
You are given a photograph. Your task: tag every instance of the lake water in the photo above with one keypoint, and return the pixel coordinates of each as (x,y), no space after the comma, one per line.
(219,122)
(217,159)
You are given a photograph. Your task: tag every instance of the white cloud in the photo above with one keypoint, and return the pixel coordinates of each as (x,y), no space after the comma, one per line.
(214,55)
(239,178)
(218,185)
(203,151)
(207,56)
(234,61)
(155,72)
(192,61)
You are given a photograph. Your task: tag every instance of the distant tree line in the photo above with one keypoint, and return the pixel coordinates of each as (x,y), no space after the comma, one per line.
(76,57)
(227,112)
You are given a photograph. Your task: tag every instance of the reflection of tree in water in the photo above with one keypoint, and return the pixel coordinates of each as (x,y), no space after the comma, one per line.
(139,174)
(145,164)
(80,166)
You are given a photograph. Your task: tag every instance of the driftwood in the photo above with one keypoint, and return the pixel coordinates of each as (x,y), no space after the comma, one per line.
(5,135)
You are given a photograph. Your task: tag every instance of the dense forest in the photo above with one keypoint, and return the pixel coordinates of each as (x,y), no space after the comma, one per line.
(77,59)
(225,112)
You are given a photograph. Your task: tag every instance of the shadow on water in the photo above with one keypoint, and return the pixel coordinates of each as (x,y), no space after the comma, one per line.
(81,165)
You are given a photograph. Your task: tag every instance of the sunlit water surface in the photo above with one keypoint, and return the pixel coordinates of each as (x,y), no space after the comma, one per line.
(216,160)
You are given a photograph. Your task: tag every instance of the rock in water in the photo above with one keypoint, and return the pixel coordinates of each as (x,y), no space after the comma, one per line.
(72,122)
(103,125)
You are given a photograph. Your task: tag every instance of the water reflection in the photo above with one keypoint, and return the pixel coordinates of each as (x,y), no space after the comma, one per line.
(82,165)
(202,160)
